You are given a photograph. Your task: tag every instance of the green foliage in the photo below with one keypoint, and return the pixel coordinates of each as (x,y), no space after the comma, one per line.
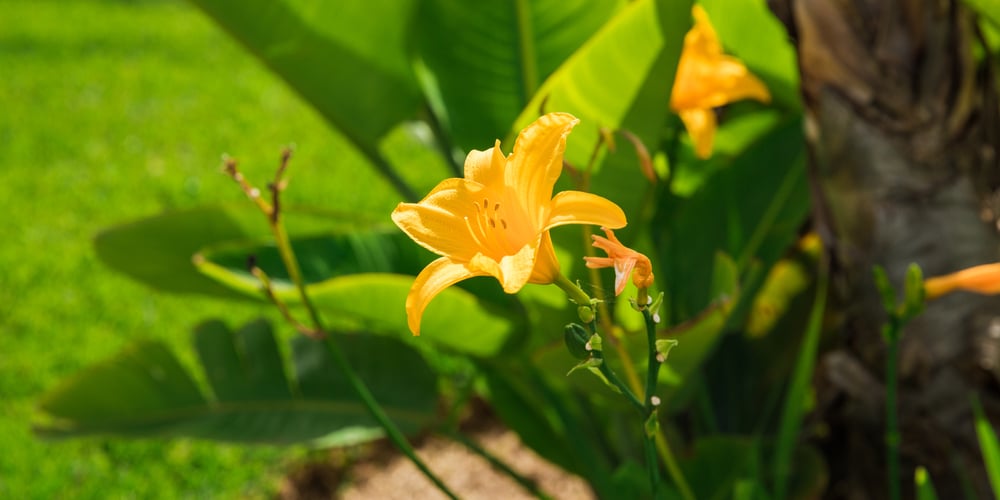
(483,62)
(989,446)
(751,210)
(350,65)
(925,488)
(144,391)
(410,86)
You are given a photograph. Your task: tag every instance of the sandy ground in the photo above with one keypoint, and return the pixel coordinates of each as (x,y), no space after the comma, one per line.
(388,475)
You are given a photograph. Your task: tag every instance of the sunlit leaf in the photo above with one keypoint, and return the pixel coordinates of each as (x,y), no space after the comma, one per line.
(456,319)
(485,60)
(347,59)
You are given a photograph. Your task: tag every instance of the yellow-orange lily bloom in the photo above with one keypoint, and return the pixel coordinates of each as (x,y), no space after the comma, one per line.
(984,279)
(706,79)
(495,221)
(624,260)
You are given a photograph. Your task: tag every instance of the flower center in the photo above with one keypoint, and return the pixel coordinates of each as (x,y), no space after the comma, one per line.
(488,228)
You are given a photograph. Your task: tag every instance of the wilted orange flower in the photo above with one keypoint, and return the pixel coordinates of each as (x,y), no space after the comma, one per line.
(984,279)
(706,79)
(496,220)
(624,260)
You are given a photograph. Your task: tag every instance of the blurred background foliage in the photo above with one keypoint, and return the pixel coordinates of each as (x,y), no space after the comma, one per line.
(114,117)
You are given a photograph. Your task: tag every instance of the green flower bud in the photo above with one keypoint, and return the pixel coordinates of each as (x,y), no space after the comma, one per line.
(576,341)
(586,313)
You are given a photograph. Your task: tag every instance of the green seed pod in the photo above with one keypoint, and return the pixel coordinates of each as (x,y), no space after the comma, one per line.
(576,341)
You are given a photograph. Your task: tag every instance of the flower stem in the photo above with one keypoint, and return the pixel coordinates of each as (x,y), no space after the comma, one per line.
(339,359)
(891,411)
(273,214)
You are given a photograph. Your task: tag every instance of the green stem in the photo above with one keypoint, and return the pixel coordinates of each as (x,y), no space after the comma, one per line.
(340,360)
(652,373)
(891,411)
(652,377)
(578,296)
(617,382)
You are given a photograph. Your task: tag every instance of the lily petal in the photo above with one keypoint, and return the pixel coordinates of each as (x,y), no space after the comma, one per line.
(518,268)
(577,207)
(700,124)
(434,278)
(486,167)
(546,264)
(437,223)
(536,162)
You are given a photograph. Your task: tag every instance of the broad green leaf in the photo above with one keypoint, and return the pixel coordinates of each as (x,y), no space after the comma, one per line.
(456,319)
(751,209)
(347,58)
(484,60)
(321,257)
(145,392)
(159,250)
(749,31)
(620,78)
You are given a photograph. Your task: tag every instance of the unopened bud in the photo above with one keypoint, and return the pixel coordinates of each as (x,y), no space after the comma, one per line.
(586,313)
(577,341)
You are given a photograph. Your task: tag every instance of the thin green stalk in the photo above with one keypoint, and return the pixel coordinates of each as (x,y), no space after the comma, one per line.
(891,410)
(652,373)
(791,415)
(653,442)
(340,360)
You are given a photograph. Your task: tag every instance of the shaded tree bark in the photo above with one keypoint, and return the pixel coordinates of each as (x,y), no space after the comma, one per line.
(902,126)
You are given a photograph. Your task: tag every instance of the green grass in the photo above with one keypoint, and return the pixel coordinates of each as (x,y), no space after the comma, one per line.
(109,112)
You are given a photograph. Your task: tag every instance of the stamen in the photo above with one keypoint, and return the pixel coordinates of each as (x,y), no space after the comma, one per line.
(486,203)
(472,232)
(496,208)
(493,223)
(504,223)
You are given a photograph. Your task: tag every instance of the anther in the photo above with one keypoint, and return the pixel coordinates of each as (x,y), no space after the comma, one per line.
(493,223)
(496,208)
(504,223)
(486,203)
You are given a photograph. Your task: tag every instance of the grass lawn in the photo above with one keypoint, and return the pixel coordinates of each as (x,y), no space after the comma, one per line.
(110,111)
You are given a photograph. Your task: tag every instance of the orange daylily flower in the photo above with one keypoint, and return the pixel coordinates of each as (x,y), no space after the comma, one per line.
(495,221)
(624,260)
(984,279)
(706,79)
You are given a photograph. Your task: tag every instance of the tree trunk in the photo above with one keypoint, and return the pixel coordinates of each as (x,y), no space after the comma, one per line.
(902,125)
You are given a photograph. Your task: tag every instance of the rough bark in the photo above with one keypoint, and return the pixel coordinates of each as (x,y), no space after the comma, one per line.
(902,125)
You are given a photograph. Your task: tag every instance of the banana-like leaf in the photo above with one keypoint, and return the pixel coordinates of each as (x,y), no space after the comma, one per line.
(483,61)
(159,250)
(144,391)
(456,319)
(346,58)
(621,78)
(320,256)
